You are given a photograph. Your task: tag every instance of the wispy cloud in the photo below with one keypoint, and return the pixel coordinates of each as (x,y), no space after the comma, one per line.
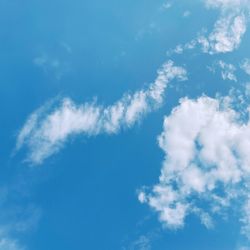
(15,220)
(227,70)
(227,32)
(243,248)
(142,243)
(186,13)
(206,144)
(245,65)
(227,4)
(166,5)
(10,244)
(229,28)
(52,65)
(55,64)
(47,129)
(226,36)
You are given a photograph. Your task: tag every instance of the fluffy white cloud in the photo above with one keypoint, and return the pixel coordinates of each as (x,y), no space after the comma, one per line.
(47,129)
(207,163)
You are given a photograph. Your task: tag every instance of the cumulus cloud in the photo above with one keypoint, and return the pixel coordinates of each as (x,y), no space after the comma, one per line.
(206,167)
(47,129)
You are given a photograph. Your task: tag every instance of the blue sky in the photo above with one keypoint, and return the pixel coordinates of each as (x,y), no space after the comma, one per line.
(125,125)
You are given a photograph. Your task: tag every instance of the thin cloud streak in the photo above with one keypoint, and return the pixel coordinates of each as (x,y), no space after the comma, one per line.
(47,130)
(227,32)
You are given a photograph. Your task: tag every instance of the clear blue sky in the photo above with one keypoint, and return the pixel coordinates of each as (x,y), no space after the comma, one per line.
(71,181)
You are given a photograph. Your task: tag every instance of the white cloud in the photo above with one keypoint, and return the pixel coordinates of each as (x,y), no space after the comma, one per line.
(227,32)
(206,167)
(245,65)
(178,49)
(226,35)
(246,219)
(227,4)
(206,220)
(15,220)
(52,66)
(166,5)
(56,65)
(186,13)
(247,91)
(47,129)
(227,71)
(244,248)
(229,28)
(9,244)
(142,243)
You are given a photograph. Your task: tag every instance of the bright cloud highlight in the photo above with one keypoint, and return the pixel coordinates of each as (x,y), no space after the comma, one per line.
(227,32)
(206,144)
(47,129)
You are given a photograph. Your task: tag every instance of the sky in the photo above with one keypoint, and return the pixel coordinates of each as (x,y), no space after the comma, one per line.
(125,125)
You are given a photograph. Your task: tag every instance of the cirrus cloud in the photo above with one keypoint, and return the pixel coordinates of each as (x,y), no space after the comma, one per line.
(47,129)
